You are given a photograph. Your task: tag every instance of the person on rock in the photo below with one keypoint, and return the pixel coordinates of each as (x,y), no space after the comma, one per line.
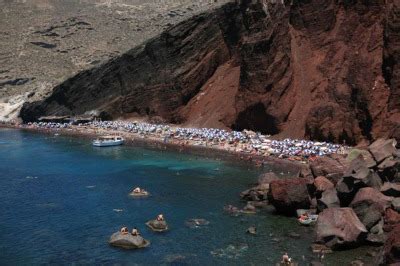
(160,217)
(135,232)
(285,259)
(124,230)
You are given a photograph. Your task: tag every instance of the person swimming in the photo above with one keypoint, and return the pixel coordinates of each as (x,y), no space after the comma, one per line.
(124,230)
(137,190)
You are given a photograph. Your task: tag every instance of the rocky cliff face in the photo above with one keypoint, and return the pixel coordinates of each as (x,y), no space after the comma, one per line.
(326,70)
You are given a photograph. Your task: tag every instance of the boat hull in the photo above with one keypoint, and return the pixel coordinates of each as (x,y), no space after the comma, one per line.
(108,143)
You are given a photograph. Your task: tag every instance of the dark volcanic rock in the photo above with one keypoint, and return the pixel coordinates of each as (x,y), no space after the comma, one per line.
(391,189)
(340,227)
(370,205)
(283,72)
(289,195)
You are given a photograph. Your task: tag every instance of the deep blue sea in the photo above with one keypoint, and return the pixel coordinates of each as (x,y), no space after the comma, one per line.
(61,199)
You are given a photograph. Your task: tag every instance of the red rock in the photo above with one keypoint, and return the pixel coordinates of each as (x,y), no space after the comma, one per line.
(329,199)
(340,227)
(370,205)
(392,246)
(382,149)
(392,218)
(321,184)
(325,71)
(330,167)
(288,195)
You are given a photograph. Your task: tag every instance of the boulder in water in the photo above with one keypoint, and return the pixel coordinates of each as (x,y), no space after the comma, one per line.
(340,227)
(249,209)
(157,226)
(128,241)
(288,195)
(252,230)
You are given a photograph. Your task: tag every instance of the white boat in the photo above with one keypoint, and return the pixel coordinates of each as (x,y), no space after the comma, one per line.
(107,141)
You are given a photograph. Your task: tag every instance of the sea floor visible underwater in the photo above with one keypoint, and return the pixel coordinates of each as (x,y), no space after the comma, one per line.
(61,199)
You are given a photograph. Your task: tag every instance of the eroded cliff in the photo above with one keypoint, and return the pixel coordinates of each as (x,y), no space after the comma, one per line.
(325,70)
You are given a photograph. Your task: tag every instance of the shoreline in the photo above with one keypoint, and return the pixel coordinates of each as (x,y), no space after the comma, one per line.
(214,152)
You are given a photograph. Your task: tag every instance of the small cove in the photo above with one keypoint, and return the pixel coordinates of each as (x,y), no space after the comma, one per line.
(62,199)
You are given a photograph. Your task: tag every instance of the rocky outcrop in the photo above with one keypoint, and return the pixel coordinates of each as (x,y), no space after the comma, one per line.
(269,66)
(288,195)
(128,241)
(340,227)
(370,205)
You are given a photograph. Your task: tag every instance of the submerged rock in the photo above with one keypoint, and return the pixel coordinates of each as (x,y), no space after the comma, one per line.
(340,227)
(194,223)
(249,209)
(128,241)
(252,230)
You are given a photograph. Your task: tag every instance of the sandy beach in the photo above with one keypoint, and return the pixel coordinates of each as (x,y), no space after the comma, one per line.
(156,141)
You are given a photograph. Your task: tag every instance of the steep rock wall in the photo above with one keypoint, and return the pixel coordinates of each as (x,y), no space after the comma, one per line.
(325,70)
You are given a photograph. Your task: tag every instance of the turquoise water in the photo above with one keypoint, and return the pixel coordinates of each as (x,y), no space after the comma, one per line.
(59,200)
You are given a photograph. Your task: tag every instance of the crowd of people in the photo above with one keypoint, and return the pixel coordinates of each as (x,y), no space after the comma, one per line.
(239,141)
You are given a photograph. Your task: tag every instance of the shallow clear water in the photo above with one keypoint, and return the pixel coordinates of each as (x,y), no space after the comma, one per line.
(59,195)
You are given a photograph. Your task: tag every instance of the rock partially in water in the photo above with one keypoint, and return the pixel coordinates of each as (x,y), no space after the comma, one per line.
(157,226)
(252,230)
(231,251)
(340,227)
(369,205)
(249,209)
(288,195)
(195,223)
(128,241)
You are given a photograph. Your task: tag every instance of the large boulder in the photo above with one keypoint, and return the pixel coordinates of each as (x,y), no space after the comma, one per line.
(288,195)
(359,172)
(128,241)
(391,248)
(267,178)
(257,193)
(370,205)
(391,189)
(364,154)
(340,228)
(389,169)
(332,167)
(329,199)
(321,184)
(382,149)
